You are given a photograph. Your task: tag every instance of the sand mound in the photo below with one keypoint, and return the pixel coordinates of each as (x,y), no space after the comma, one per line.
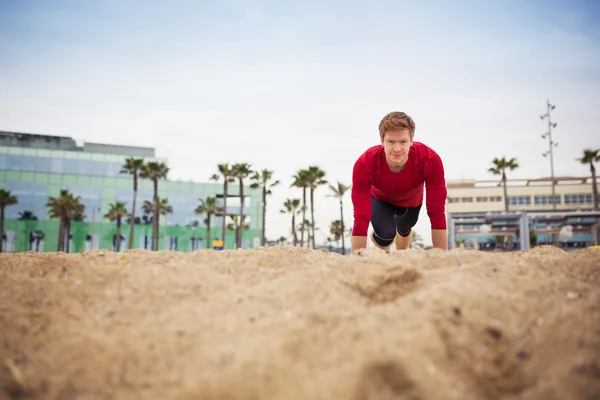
(290,323)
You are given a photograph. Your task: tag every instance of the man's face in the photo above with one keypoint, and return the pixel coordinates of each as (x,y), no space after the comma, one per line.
(397,145)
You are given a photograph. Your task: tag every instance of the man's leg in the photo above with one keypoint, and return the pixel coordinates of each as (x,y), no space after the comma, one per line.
(384,226)
(402,243)
(406,218)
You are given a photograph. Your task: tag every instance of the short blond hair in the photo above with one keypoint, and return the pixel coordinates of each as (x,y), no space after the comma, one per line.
(396,120)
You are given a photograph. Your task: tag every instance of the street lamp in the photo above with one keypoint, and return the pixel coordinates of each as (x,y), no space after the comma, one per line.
(551,146)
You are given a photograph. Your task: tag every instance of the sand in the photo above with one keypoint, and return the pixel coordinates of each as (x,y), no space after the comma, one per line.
(291,323)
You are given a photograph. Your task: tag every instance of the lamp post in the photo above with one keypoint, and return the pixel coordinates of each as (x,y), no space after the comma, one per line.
(551,146)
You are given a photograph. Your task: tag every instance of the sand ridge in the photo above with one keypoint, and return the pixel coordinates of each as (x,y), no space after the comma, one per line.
(293,323)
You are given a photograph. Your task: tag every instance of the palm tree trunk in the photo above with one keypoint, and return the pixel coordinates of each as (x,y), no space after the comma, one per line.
(208,231)
(68,238)
(342,221)
(505,191)
(239,234)
(294,228)
(118,234)
(1,228)
(61,232)
(264,216)
(132,220)
(312,215)
(303,216)
(224,228)
(155,217)
(594,185)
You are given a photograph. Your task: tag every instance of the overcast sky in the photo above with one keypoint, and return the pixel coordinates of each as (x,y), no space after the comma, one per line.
(284,85)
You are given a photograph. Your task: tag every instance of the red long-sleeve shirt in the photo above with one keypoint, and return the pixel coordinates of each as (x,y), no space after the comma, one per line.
(372,176)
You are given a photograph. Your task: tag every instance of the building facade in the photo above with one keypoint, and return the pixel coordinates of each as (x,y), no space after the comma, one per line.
(36,167)
(572,208)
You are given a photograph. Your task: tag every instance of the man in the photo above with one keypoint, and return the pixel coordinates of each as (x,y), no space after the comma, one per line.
(388,182)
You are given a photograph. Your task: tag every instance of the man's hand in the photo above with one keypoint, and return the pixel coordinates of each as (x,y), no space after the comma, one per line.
(439,237)
(358,242)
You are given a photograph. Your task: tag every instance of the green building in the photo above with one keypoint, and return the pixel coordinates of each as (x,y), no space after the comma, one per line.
(35,167)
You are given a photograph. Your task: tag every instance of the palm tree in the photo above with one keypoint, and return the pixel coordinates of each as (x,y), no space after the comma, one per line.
(133,166)
(155,171)
(315,176)
(301,180)
(64,207)
(590,157)
(338,192)
(208,207)
(335,228)
(117,212)
(163,208)
(77,216)
(226,172)
(262,179)
(29,218)
(6,199)
(147,219)
(241,171)
(291,207)
(499,168)
(234,225)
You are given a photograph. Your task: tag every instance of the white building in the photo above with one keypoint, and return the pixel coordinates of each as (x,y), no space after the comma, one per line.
(573,207)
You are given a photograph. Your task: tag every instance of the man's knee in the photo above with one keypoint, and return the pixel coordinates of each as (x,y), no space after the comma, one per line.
(384,238)
(407,220)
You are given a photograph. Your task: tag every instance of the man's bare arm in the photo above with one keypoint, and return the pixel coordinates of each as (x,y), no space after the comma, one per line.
(358,242)
(439,237)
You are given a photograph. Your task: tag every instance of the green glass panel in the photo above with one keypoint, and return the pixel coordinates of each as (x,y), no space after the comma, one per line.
(41,177)
(13,176)
(145,184)
(82,180)
(55,179)
(28,152)
(98,157)
(109,193)
(15,150)
(109,182)
(96,181)
(71,155)
(54,190)
(124,183)
(171,186)
(69,180)
(3,150)
(43,152)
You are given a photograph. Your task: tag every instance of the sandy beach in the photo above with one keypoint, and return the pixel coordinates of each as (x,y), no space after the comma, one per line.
(291,323)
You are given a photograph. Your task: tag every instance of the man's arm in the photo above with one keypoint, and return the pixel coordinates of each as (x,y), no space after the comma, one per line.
(358,242)
(439,238)
(437,192)
(361,201)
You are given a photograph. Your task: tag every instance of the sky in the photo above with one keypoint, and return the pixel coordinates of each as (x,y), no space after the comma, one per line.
(285,85)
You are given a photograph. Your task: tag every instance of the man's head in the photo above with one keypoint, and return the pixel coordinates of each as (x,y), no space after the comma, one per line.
(397,131)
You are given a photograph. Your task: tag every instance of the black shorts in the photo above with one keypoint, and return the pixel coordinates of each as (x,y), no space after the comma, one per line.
(387,219)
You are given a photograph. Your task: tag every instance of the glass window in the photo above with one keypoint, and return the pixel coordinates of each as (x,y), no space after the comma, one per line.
(41,177)
(83,180)
(71,166)
(3,161)
(27,177)
(42,164)
(69,180)
(56,165)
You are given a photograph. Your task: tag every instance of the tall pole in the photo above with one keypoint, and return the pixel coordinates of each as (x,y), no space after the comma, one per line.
(551,146)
